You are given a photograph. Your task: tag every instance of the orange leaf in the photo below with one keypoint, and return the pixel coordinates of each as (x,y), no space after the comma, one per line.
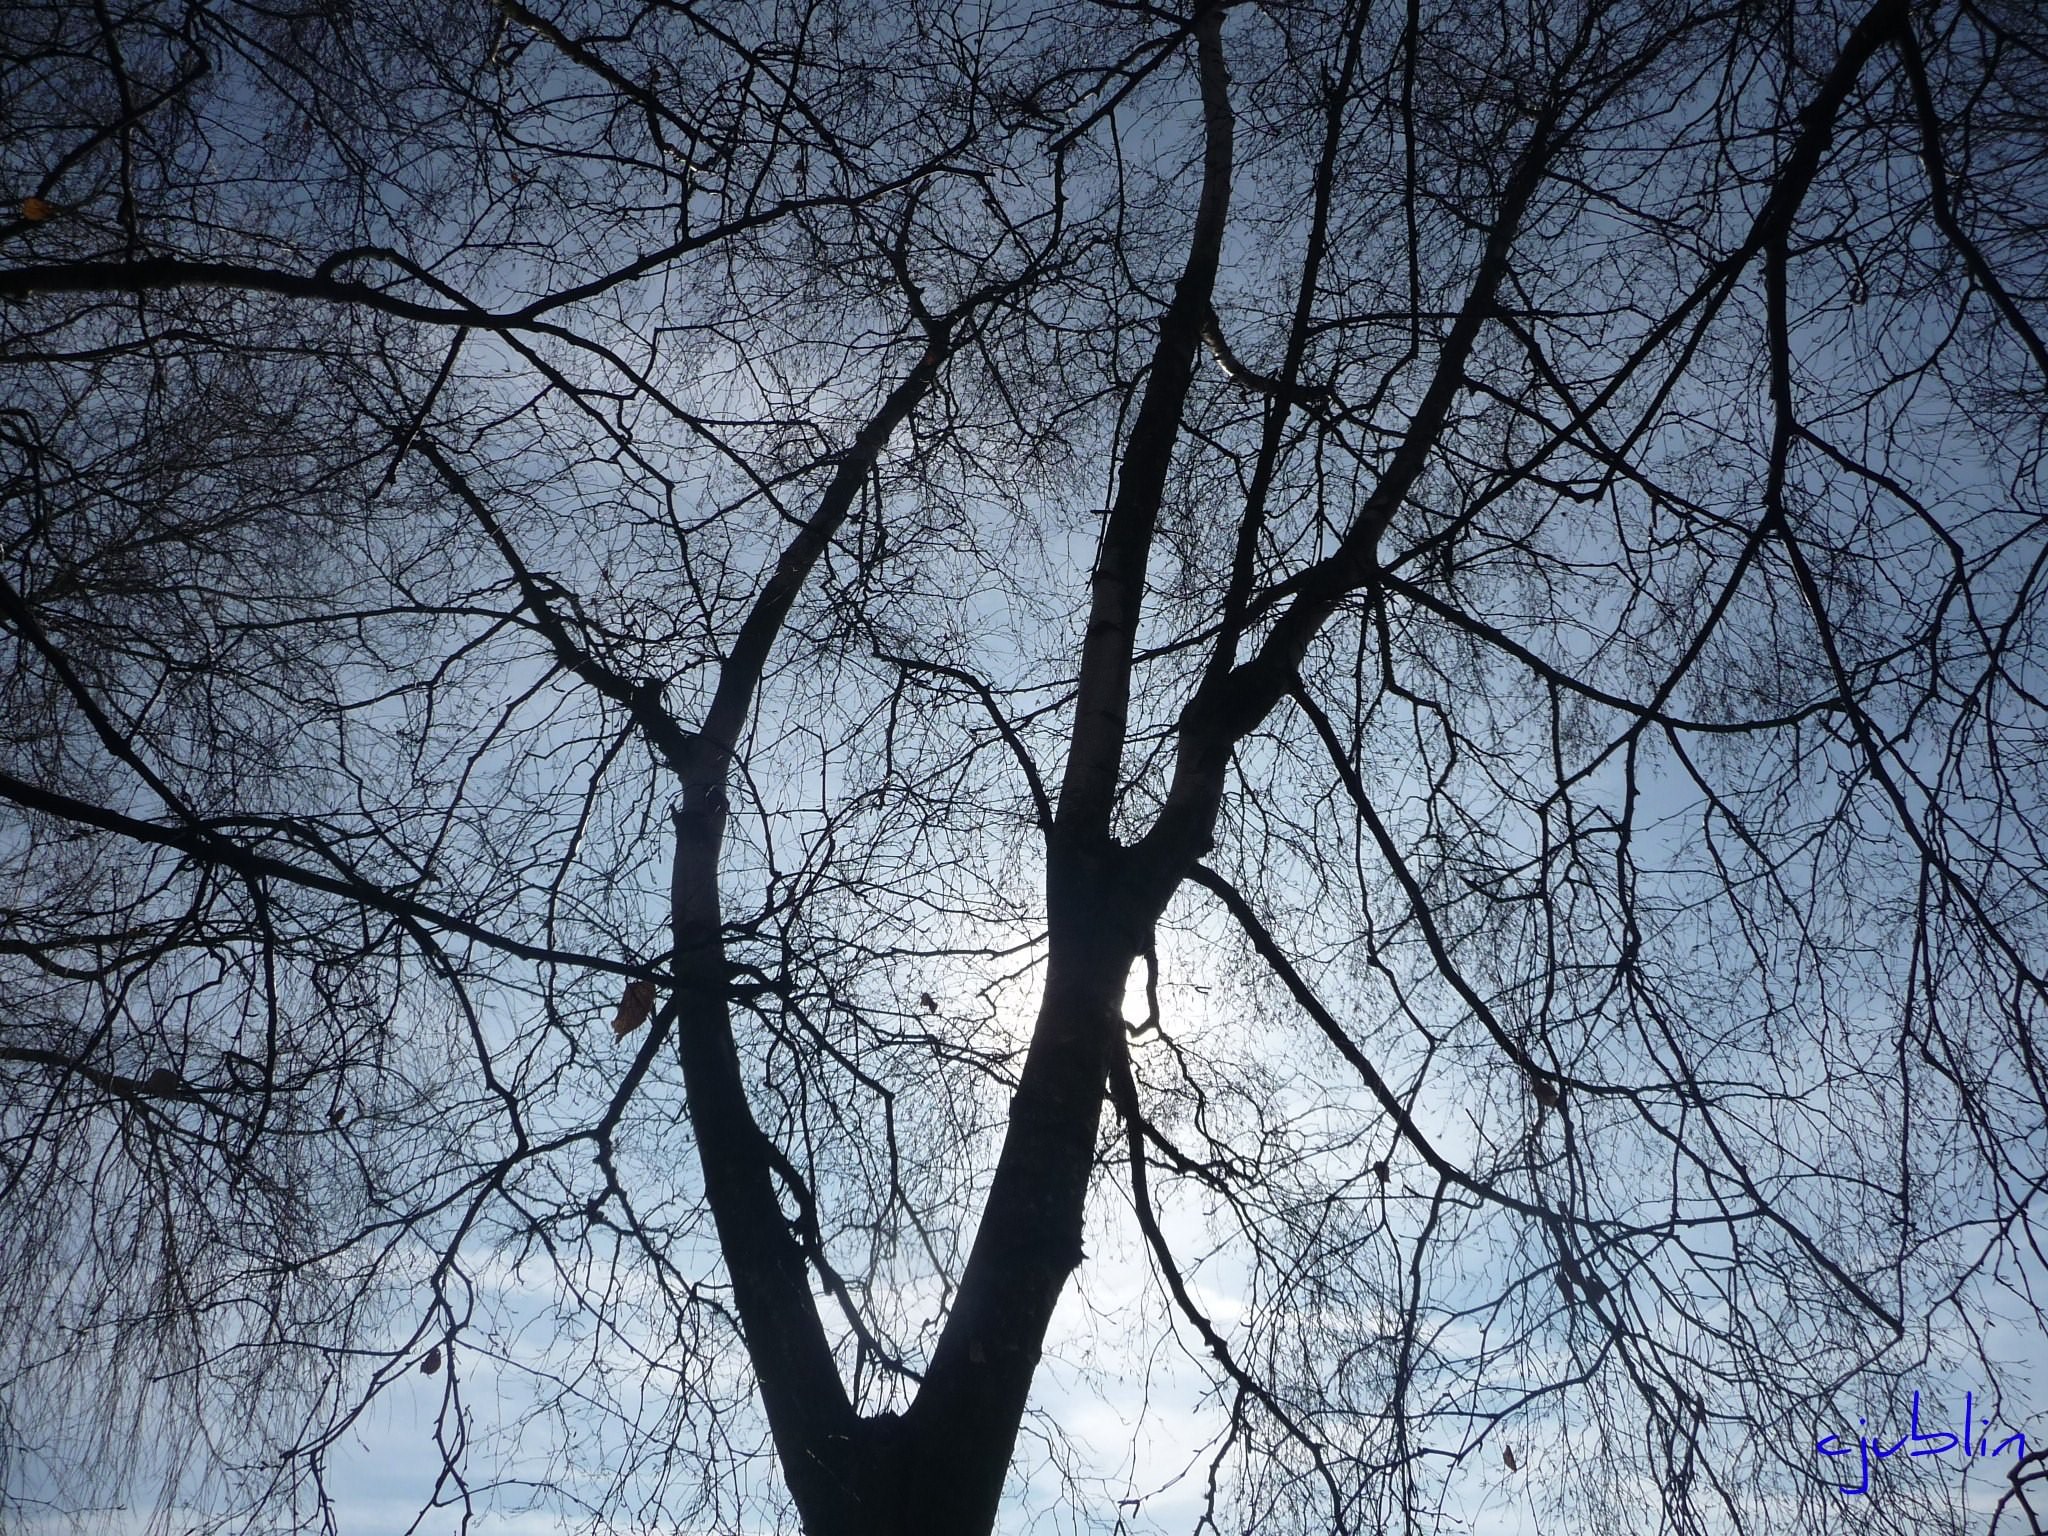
(634,1007)
(36,209)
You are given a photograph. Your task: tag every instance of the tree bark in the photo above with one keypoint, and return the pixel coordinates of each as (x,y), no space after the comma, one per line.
(965,1420)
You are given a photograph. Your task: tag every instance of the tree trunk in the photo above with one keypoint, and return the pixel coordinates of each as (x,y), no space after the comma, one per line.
(964,1422)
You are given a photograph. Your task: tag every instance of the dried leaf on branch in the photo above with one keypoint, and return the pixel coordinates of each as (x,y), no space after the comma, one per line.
(634,1007)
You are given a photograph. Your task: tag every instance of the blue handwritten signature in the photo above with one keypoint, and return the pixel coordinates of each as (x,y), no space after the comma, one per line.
(1948,1440)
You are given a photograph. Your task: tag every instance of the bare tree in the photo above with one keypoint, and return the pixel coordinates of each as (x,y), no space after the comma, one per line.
(653,650)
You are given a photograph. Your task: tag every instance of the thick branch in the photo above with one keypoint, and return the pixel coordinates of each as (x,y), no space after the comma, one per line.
(207,844)
(1102,701)
(966,1415)
(1231,703)
(814,1423)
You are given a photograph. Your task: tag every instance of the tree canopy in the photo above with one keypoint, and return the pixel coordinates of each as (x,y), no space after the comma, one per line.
(923,768)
